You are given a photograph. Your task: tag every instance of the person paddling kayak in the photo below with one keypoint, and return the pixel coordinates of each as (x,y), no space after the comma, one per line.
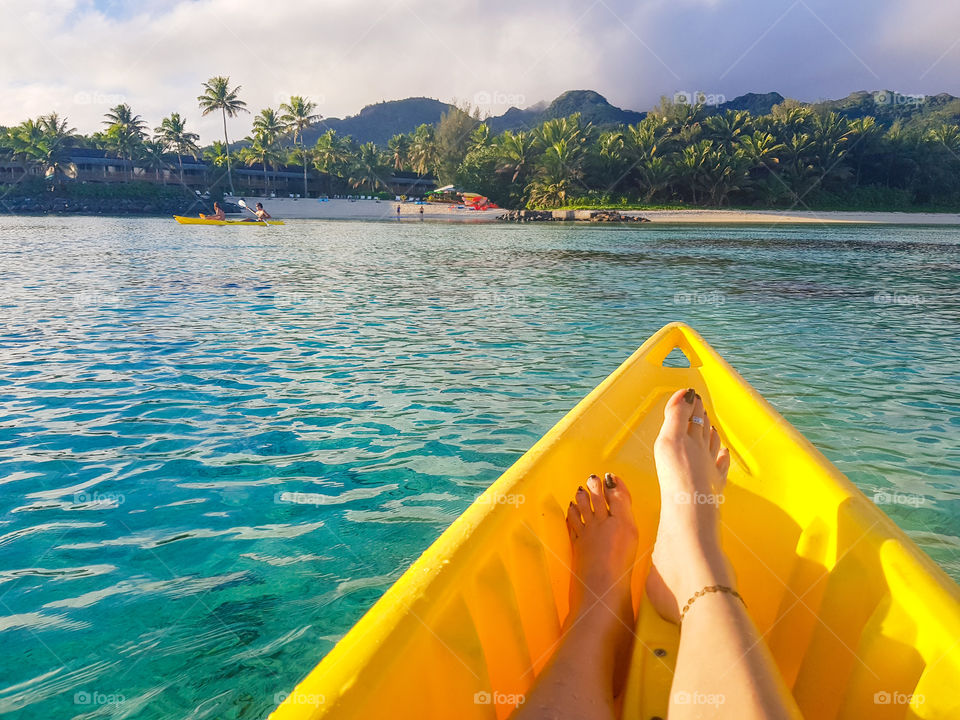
(260,213)
(218,213)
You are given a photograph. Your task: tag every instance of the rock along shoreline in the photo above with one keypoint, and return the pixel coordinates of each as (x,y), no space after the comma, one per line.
(597,216)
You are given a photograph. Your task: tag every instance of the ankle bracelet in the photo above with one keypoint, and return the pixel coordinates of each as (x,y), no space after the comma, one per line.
(710,589)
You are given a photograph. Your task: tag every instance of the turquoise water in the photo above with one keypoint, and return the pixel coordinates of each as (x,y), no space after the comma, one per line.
(218,446)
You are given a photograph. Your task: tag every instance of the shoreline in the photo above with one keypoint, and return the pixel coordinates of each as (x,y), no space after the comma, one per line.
(384,210)
(342,209)
(795,217)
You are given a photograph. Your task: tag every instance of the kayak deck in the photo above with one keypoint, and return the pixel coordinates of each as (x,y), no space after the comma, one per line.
(184,220)
(861,623)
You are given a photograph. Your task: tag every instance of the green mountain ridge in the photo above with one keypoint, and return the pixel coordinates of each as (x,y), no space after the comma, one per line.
(379,122)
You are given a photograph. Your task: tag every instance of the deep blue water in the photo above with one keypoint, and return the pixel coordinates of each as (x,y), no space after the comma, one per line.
(218,446)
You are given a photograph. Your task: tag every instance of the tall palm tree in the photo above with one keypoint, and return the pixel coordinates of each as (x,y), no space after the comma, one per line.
(298,114)
(611,158)
(423,153)
(399,147)
(217,95)
(173,132)
(125,131)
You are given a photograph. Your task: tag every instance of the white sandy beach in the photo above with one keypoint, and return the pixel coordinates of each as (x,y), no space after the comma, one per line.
(793,217)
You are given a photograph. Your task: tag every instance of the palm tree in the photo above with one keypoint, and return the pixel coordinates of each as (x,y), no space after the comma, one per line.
(151,155)
(44,143)
(173,132)
(569,129)
(655,175)
(727,129)
(262,150)
(762,152)
(693,165)
(125,131)
(399,147)
(216,154)
(423,153)
(217,95)
(514,151)
(480,137)
(865,135)
(559,166)
(610,158)
(946,135)
(798,165)
(24,141)
(332,153)
(369,168)
(298,115)
(269,125)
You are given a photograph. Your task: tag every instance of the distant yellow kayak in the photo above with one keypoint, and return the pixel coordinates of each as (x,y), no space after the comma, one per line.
(183,220)
(861,622)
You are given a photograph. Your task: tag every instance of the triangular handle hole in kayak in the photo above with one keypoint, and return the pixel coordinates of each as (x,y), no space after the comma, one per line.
(677,358)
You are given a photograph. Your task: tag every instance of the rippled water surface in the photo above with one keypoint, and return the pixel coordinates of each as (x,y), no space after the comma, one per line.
(218,446)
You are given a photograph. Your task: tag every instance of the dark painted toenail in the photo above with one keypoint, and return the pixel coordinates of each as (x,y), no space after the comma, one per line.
(580,488)
(609,481)
(594,477)
(659,652)
(698,397)
(689,395)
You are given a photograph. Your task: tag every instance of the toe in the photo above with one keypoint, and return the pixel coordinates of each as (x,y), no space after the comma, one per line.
(676,413)
(595,488)
(574,521)
(695,429)
(617,494)
(723,466)
(714,442)
(583,503)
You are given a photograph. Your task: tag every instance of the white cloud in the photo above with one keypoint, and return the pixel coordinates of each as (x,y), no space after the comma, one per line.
(70,56)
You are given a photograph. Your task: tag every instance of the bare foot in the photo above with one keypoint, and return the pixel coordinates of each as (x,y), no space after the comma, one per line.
(604,538)
(589,667)
(692,469)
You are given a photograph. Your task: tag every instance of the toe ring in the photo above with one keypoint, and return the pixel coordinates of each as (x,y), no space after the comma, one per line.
(696,420)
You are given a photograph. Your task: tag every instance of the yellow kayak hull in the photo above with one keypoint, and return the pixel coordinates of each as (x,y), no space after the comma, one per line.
(183,220)
(861,622)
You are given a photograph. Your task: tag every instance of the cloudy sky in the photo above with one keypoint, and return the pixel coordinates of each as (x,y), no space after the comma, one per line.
(81,56)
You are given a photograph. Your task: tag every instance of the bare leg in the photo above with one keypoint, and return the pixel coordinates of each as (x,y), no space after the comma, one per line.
(724,670)
(594,649)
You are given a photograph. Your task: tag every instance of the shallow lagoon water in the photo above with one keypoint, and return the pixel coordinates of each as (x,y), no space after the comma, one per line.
(218,446)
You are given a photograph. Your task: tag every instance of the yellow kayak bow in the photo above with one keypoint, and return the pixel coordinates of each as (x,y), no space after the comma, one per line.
(861,622)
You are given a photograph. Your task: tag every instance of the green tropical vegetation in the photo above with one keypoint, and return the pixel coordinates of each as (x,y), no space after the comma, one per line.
(298,116)
(824,156)
(172,133)
(217,95)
